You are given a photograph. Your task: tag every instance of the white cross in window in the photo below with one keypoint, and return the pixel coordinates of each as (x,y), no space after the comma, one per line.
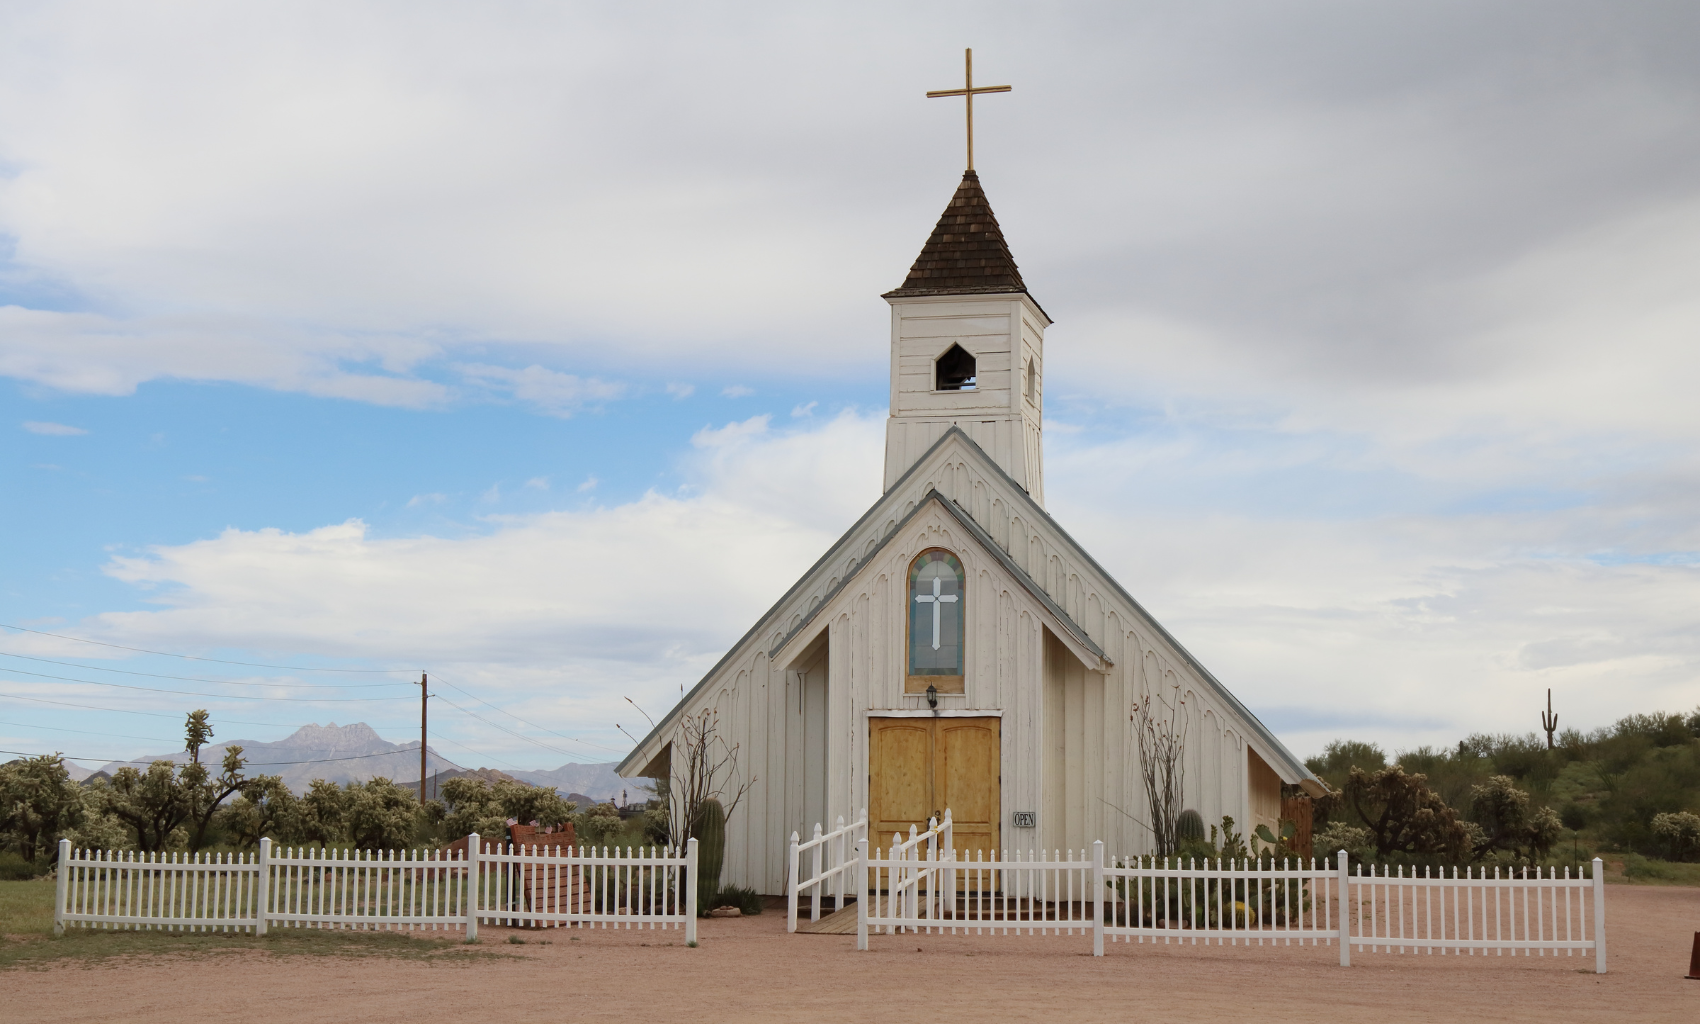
(936,599)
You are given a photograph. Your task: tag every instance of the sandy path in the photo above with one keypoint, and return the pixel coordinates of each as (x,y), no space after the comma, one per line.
(750,970)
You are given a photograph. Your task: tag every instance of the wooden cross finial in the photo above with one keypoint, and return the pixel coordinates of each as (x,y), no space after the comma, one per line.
(968,92)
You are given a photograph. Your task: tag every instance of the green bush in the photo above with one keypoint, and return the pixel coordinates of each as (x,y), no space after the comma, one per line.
(1637,866)
(748,901)
(13,868)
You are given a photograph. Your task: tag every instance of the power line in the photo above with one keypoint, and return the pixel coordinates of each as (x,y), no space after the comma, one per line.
(217,696)
(201,679)
(86,732)
(247,764)
(503,728)
(119,711)
(192,657)
(522,721)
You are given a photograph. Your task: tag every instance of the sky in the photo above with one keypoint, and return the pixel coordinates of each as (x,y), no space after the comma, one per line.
(539,347)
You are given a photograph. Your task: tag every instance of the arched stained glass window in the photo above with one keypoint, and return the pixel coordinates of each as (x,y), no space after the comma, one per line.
(936,615)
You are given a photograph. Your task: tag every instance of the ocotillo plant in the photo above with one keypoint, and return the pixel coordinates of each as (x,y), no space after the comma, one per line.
(1549,721)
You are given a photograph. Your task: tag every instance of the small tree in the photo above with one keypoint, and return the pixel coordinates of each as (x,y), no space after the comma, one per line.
(1160,727)
(1404,816)
(321,815)
(151,803)
(264,807)
(380,815)
(474,805)
(705,768)
(1508,823)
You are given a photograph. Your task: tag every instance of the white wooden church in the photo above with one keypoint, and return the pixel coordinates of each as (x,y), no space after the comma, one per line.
(956,647)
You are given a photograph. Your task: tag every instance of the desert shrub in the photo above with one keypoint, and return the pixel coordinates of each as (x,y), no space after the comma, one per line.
(1339,836)
(100,829)
(1661,728)
(599,825)
(1339,758)
(265,807)
(1574,816)
(321,815)
(748,901)
(380,815)
(1680,834)
(14,868)
(473,805)
(38,804)
(1637,866)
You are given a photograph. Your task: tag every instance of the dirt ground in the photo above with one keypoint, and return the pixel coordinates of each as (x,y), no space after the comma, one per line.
(749,969)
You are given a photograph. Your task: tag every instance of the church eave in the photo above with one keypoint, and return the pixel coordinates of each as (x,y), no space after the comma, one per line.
(832,554)
(985,540)
(1294,766)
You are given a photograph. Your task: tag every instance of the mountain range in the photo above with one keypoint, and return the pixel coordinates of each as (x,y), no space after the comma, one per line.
(355,753)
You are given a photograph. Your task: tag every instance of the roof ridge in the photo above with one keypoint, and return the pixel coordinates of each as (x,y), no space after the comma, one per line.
(966,254)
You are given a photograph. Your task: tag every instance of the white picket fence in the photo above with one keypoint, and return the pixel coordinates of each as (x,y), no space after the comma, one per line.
(491,883)
(923,885)
(832,873)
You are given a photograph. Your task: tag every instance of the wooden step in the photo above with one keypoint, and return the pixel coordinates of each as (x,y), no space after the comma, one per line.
(842,922)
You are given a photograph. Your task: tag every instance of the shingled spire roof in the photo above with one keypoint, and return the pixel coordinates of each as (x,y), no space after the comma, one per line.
(966,254)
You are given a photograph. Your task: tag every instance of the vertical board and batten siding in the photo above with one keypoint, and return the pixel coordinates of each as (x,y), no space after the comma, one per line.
(1002,333)
(1006,666)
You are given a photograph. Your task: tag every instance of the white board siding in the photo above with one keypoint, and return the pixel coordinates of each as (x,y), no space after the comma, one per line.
(1005,663)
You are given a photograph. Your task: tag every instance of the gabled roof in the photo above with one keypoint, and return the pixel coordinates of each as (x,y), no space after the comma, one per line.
(1291,764)
(1075,631)
(966,253)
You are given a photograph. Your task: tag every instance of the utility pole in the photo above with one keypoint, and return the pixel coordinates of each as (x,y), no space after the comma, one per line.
(422,696)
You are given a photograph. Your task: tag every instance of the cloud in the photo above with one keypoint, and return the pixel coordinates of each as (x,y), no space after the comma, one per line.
(538,483)
(585,605)
(553,392)
(52,429)
(588,485)
(804,410)
(95,354)
(426,499)
(737,391)
(679,391)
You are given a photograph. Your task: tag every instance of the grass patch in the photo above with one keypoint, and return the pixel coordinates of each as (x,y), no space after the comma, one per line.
(27,941)
(1639,870)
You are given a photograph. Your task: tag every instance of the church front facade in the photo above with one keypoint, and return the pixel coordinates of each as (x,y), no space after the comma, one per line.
(956,648)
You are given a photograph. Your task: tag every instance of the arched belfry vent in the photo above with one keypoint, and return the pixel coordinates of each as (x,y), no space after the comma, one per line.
(966,254)
(954,370)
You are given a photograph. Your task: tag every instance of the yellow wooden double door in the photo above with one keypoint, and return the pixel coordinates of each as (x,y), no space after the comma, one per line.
(917,767)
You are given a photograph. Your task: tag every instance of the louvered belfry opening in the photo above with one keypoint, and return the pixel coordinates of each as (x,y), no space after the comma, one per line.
(954,370)
(966,253)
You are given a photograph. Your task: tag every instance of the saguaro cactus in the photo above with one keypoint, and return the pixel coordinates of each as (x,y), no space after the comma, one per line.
(1549,721)
(710,831)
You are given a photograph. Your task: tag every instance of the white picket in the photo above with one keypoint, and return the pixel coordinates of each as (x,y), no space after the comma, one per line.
(319,888)
(832,871)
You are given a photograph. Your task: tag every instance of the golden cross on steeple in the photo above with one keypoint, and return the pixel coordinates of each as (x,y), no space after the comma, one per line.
(968,92)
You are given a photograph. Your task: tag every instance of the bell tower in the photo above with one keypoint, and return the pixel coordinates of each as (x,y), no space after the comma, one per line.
(967,347)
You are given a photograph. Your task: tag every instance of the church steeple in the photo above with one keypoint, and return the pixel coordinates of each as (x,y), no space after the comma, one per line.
(966,253)
(967,347)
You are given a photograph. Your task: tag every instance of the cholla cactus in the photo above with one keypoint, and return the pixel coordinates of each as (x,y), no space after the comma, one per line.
(1680,833)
